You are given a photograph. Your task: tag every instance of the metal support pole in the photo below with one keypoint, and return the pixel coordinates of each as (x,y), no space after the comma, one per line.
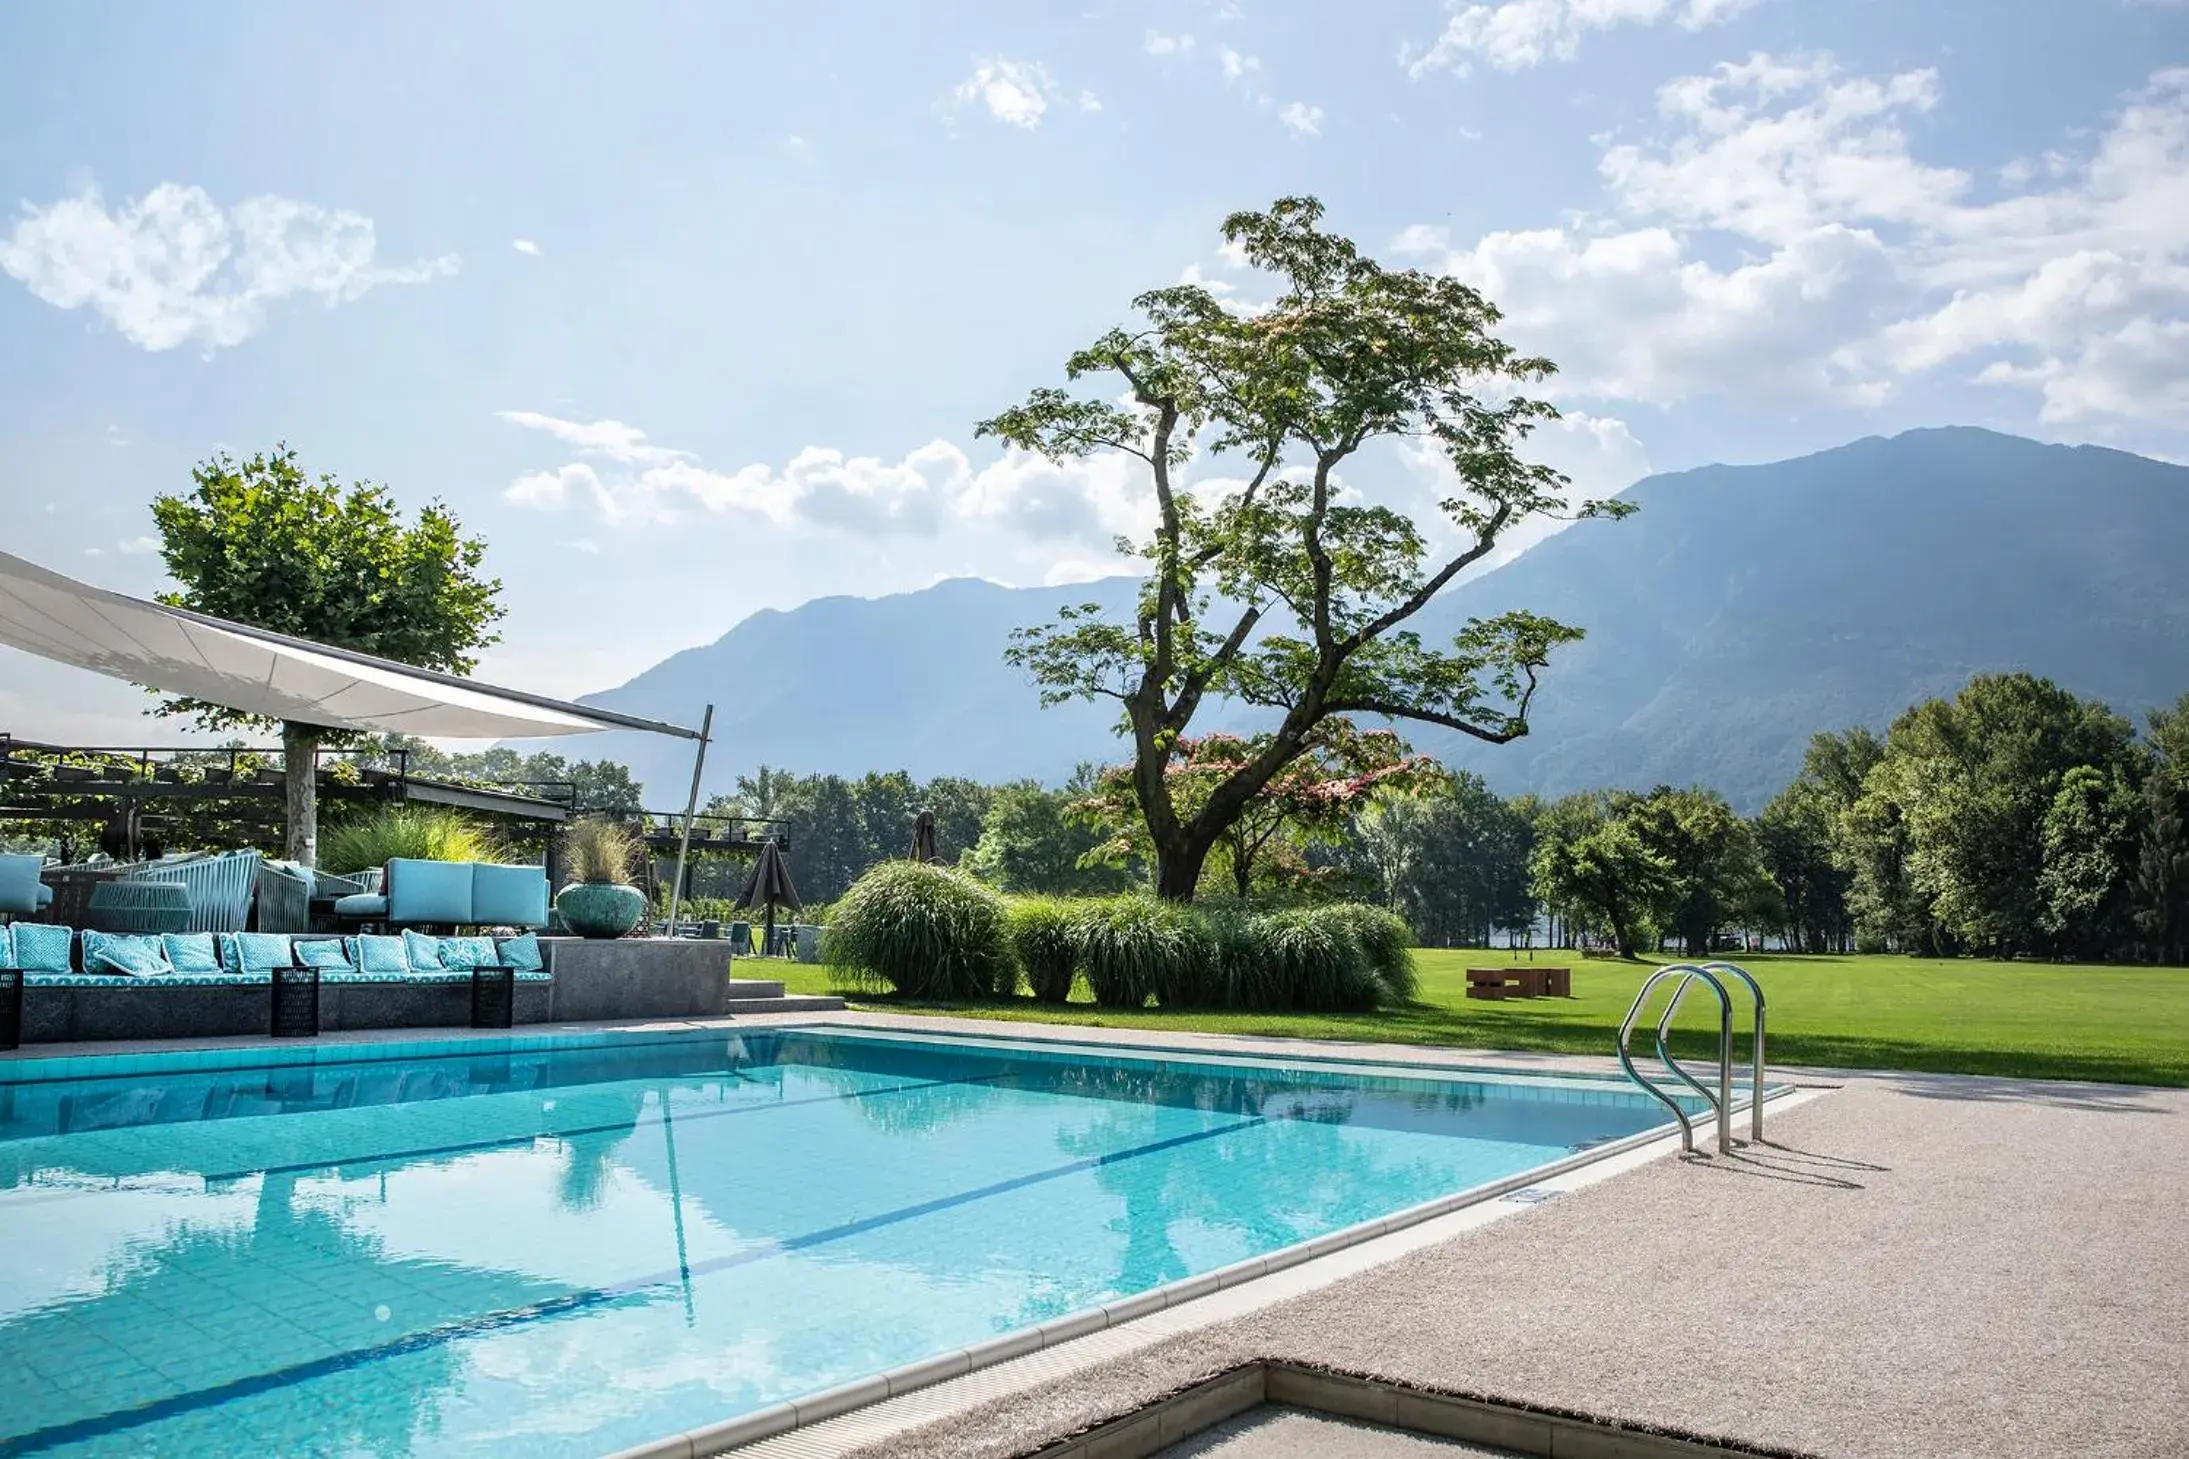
(691,809)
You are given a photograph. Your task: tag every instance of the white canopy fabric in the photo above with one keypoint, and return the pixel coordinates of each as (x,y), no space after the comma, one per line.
(271,674)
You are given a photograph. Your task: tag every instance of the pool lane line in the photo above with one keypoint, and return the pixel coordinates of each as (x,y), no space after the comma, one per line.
(636,1292)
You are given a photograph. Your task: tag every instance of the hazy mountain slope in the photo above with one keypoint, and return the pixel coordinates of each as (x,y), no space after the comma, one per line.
(1742,609)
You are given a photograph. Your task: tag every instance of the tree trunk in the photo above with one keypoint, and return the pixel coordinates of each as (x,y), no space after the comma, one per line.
(1178,871)
(300,769)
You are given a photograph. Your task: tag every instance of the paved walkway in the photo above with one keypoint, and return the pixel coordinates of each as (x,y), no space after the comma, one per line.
(1913,1266)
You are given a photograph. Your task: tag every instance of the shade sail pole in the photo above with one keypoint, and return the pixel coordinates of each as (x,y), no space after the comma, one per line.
(691,809)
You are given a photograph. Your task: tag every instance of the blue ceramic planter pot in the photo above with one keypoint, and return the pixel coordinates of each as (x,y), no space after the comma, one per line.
(600,909)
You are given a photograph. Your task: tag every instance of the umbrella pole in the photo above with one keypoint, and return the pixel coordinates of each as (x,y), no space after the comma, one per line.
(691,808)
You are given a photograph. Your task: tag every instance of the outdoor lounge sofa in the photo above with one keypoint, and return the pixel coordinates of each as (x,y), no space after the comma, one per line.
(451,894)
(22,894)
(198,985)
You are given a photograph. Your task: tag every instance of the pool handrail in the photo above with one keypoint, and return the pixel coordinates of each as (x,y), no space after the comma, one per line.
(1650,1086)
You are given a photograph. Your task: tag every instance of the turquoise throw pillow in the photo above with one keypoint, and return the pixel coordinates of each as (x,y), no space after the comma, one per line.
(381,955)
(41,947)
(261,952)
(462,954)
(328,954)
(423,953)
(521,953)
(7,947)
(128,954)
(191,952)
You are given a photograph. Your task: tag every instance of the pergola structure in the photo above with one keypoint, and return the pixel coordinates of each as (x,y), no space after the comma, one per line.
(275,676)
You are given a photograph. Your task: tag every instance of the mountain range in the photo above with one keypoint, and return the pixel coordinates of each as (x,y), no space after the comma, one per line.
(1739,611)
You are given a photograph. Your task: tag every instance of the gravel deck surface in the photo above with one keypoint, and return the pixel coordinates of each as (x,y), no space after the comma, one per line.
(1914,1266)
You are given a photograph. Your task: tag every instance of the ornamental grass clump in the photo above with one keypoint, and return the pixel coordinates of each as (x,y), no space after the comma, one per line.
(1385,943)
(1045,936)
(1318,962)
(1135,947)
(1241,974)
(922,931)
(597,851)
(418,833)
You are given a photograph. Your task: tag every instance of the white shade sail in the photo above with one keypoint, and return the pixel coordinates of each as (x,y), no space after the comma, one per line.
(249,669)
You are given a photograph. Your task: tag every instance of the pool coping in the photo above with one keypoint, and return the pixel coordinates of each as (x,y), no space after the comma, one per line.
(784,1418)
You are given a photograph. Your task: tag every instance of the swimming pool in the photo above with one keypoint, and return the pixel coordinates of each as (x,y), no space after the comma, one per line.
(563,1245)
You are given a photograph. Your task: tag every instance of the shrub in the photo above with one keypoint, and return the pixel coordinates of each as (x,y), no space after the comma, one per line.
(597,850)
(1316,958)
(1044,935)
(924,931)
(1136,947)
(1385,943)
(1238,974)
(424,833)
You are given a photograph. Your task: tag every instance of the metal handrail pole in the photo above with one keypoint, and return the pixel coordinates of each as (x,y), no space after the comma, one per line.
(1755,1073)
(1626,1061)
(1664,1053)
(1722,1104)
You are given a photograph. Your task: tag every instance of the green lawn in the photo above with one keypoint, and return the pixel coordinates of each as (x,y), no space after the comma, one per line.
(2047,1021)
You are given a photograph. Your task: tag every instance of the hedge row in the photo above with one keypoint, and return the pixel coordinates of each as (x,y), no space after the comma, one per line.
(928,932)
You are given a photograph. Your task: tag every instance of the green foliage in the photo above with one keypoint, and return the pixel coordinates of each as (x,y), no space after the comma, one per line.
(1347,353)
(1386,946)
(1592,864)
(598,850)
(924,931)
(1029,843)
(839,828)
(425,833)
(599,787)
(1451,859)
(261,543)
(1136,947)
(1044,934)
(1315,955)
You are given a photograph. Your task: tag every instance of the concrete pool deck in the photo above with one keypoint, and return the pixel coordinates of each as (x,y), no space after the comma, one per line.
(1912,1266)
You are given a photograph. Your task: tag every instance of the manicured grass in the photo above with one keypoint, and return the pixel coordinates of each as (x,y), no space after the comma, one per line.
(2123,1025)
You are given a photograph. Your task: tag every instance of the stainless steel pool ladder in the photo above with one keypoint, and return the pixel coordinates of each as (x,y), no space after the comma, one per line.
(1719,1100)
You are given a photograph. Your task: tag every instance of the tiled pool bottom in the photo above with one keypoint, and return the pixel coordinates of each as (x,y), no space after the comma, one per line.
(492,1249)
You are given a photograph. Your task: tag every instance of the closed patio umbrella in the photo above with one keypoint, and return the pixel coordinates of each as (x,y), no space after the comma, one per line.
(769,886)
(925,846)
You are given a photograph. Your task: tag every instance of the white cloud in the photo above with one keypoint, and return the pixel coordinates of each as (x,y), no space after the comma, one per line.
(1016,92)
(525,246)
(1854,264)
(1089,102)
(1234,65)
(1514,35)
(1159,44)
(1302,120)
(174,268)
(137,546)
(626,482)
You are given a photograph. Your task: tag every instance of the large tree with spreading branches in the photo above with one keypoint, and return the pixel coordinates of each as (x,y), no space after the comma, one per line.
(1285,591)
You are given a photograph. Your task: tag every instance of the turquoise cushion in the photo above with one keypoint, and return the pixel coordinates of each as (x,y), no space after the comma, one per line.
(428,891)
(521,953)
(41,947)
(508,896)
(328,954)
(423,953)
(257,952)
(381,955)
(7,947)
(364,906)
(461,954)
(120,952)
(191,952)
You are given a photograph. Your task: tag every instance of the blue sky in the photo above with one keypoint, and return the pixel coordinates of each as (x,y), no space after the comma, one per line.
(690,309)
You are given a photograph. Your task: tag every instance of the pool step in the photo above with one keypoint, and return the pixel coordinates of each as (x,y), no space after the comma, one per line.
(763,995)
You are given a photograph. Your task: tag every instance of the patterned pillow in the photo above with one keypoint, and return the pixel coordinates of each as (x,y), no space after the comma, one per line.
(381,955)
(7,947)
(41,947)
(328,954)
(521,953)
(462,954)
(259,952)
(191,952)
(125,953)
(423,953)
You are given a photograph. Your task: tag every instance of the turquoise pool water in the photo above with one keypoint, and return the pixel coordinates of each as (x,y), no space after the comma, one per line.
(485,1247)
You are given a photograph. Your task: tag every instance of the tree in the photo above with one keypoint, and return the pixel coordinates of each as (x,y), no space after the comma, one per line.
(1030,842)
(1311,800)
(2161,893)
(261,543)
(1284,593)
(1591,862)
(2089,839)
(1713,877)
(1451,858)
